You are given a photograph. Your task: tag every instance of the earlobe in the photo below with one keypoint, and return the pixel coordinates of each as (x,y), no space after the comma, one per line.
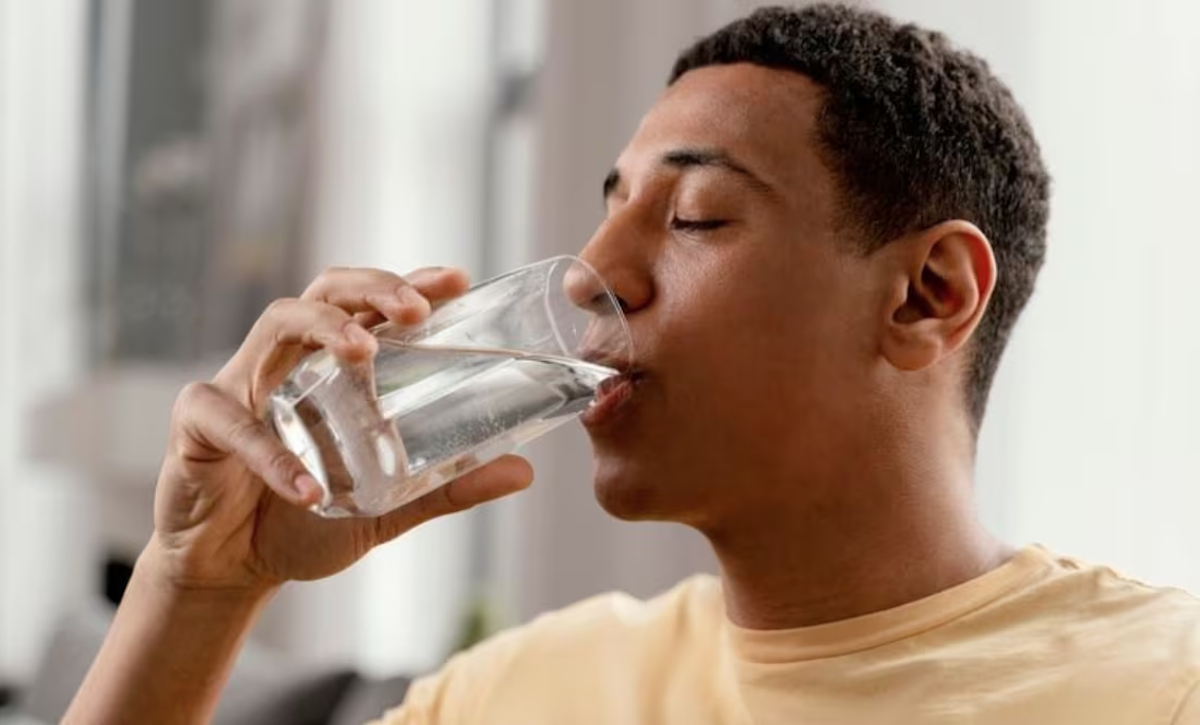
(946,276)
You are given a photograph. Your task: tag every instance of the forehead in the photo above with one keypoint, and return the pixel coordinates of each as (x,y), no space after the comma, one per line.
(764,118)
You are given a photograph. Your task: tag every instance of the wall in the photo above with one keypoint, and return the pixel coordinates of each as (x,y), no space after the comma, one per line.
(1089,447)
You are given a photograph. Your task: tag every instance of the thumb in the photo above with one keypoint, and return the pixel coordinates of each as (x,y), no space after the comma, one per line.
(504,476)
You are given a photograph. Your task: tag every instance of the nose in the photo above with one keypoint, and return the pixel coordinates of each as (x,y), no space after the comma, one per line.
(587,290)
(623,259)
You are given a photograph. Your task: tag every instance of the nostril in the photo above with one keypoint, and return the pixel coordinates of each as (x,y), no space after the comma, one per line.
(600,303)
(597,292)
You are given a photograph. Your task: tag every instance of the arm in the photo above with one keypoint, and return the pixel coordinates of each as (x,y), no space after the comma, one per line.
(168,652)
(230,517)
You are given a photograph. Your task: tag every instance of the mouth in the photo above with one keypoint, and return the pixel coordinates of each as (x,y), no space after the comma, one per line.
(612,397)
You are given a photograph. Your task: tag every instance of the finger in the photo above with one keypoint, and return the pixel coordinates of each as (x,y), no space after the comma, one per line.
(213,425)
(287,331)
(439,284)
(365,291)
(504,476)
(369,320)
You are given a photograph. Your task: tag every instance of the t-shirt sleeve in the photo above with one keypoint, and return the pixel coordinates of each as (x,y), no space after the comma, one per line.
(425,704)
(455,694)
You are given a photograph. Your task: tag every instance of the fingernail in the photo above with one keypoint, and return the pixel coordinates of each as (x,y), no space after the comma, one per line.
(307,489)
(357,335)
(416,303)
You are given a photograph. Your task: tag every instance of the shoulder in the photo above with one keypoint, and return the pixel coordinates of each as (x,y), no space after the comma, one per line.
(1104,635)
(1077,604)
(1114,605)
(561,655)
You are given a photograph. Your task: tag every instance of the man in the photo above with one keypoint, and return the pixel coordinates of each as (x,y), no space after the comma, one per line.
(823,233)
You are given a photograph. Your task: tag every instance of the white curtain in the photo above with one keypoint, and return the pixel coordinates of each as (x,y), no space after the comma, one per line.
(405,112)
(46,562)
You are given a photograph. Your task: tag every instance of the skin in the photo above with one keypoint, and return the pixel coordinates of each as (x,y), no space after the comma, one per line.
(798,402)
(230,527)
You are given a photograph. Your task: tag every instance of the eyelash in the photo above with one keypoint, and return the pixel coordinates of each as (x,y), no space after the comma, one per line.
(697,225)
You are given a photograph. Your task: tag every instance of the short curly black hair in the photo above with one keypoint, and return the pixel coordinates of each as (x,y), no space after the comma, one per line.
(916,132)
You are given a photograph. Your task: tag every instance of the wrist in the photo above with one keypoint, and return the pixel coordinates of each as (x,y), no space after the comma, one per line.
(170,648)
(157,569)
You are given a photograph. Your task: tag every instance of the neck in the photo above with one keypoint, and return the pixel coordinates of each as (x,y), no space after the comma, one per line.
(894,529)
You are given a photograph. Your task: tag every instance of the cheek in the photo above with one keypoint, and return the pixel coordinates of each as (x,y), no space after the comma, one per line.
(754,339)
(741,306)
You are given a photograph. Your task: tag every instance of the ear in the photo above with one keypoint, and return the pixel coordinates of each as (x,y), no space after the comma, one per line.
(943,281)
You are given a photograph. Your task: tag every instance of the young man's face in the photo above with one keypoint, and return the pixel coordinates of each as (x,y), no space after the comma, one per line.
(755,327)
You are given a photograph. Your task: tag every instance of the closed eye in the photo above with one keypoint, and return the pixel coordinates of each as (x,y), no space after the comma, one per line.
(697,225)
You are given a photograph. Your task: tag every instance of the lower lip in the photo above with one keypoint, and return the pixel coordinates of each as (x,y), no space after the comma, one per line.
(611,399)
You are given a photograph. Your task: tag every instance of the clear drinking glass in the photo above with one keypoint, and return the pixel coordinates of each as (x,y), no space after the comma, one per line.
(504,363)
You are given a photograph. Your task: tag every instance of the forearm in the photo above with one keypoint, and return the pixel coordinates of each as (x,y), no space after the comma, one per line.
(167,654)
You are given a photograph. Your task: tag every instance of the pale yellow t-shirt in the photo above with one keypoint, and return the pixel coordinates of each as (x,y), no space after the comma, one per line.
(1042,639)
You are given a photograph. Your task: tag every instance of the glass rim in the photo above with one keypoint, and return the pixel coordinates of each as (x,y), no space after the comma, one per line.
(572,260)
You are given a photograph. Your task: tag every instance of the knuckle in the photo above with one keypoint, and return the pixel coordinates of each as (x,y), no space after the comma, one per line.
(192,395)
(244,431)
(449,500)
(281,462)
(328,321)
(323,282)
(191,416)
(380,280)
(334,315)
(280,306)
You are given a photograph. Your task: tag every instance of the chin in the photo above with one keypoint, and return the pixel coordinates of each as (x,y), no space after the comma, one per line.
(629,494)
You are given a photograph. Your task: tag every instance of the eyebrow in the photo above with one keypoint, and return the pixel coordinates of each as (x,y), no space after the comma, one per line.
(690,158)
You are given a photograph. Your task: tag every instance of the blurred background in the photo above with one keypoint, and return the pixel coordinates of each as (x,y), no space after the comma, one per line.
(167,167)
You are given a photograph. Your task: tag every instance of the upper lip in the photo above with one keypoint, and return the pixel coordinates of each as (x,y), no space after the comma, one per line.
(619,363)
